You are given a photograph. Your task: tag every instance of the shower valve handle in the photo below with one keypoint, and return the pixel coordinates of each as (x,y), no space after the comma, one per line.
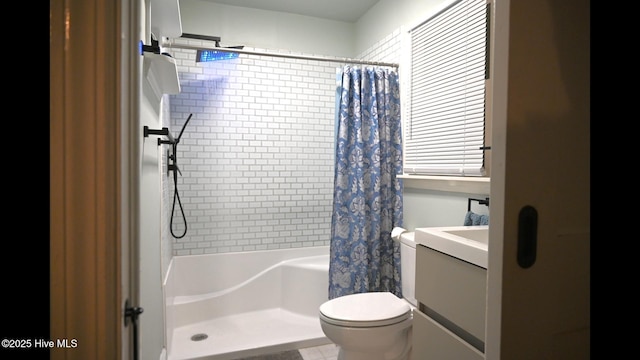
(174,167)
(133,313)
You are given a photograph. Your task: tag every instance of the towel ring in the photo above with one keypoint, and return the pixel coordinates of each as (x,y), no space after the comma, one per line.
(480,201)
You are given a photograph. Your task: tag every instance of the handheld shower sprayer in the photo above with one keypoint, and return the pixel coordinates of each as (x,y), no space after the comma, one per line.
(172,158)
(173,166)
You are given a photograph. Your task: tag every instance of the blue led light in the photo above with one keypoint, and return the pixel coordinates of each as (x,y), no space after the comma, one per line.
(212,55)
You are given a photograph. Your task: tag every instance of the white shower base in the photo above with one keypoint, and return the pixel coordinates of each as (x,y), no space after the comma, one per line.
(246,304)
(248,334)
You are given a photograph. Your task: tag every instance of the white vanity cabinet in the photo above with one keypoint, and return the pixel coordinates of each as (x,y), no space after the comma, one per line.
(450,320)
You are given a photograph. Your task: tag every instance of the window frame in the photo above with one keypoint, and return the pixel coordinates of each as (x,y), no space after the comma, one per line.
(456,179)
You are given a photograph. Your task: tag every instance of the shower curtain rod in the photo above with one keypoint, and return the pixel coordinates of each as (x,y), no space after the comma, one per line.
(290,56)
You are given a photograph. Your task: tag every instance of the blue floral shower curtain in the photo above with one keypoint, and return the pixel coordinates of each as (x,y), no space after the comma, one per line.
(367,199)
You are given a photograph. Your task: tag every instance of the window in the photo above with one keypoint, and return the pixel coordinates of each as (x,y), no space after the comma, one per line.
(445,131)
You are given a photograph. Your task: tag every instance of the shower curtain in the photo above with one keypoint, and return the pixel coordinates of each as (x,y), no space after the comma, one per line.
(367,199)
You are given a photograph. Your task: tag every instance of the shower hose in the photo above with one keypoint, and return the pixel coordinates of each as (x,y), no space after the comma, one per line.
(176,199)
(176,196)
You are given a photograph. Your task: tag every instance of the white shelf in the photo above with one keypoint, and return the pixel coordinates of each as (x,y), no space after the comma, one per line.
(459,184)
(165,18)
(162,73)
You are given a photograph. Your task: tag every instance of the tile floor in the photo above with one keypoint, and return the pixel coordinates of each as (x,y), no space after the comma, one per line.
(322,352)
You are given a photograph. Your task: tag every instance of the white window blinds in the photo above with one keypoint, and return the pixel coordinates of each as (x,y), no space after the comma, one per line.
(445,130)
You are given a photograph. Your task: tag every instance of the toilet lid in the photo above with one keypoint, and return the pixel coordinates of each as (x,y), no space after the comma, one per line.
(365,310)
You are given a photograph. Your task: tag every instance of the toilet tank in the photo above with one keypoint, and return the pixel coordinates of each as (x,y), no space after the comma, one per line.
(408,266)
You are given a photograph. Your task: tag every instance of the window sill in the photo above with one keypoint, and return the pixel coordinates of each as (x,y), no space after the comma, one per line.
(459,184)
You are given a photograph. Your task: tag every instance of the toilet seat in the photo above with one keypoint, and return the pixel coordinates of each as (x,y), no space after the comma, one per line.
(365,310)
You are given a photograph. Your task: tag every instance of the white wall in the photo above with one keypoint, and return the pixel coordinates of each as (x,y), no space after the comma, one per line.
(267,29)
(388,16)
(276,30)
(167,185)
(151,257)
(151,323)
(428,208)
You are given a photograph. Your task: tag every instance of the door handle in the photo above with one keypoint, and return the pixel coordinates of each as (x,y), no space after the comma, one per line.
(527,236)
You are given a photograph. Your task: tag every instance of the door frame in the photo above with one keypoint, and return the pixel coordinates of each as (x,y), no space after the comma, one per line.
(93,105)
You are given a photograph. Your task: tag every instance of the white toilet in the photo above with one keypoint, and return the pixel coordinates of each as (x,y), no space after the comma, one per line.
(375,325)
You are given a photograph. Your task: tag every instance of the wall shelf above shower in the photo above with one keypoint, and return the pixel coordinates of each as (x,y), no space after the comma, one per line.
(162,73)
(165,18)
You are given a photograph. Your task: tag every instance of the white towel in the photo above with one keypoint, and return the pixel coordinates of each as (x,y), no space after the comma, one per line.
(396,232)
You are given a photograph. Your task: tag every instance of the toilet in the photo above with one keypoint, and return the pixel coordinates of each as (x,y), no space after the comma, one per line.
(375,325)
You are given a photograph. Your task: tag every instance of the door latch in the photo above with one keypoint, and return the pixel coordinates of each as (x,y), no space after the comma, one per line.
(131,314)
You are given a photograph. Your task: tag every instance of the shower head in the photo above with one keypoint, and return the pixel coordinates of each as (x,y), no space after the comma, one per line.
(220,53)
(213,55)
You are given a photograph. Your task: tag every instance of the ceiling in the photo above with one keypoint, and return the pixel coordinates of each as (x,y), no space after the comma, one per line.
(340,10)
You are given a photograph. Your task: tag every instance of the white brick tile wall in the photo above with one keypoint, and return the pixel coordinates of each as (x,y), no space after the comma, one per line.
(257,155)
